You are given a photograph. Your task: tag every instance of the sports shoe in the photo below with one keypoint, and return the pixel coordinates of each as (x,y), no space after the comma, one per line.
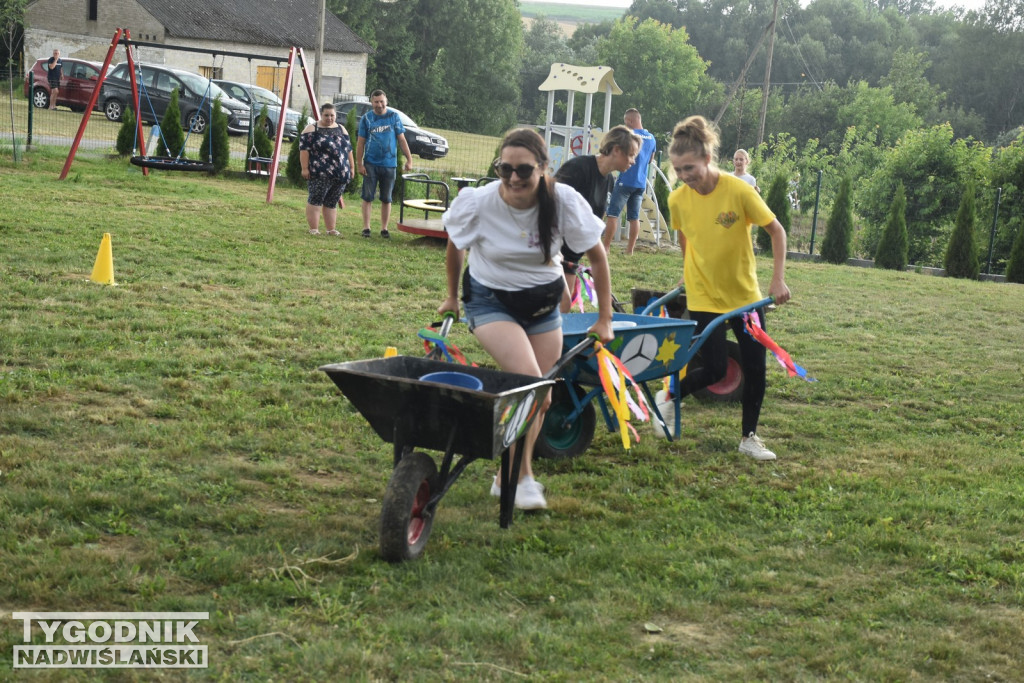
(366,232)
(529,494)
(753,446)
(385,234)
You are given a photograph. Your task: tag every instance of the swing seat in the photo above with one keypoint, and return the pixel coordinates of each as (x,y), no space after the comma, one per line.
(172,164)
(259,166)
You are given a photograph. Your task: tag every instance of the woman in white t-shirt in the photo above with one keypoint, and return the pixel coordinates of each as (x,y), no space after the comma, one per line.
(514,283)
(740,164)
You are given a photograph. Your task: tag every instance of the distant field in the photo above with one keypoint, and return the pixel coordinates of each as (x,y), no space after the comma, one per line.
(571,14)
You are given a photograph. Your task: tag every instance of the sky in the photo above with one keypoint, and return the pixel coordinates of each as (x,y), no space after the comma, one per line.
(969,4)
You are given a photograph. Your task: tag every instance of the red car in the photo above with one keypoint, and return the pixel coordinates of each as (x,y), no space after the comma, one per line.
(78,80)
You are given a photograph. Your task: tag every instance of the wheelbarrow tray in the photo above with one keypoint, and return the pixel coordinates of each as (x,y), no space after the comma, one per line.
(650,347)
(399,406)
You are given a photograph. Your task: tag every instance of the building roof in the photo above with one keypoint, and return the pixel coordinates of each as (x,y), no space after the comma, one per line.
(278,23)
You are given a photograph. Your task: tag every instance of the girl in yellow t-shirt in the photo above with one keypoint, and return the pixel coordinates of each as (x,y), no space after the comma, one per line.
(713,212)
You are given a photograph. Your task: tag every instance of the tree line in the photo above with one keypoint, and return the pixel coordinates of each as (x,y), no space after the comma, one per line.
(884,92)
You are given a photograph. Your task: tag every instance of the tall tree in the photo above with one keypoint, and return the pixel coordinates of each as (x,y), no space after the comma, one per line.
(474,47)
(908,84)
(932,166)
(660,73)
(543,45)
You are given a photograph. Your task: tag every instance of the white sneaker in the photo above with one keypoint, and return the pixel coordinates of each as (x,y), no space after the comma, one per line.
(753,446)
(529,494)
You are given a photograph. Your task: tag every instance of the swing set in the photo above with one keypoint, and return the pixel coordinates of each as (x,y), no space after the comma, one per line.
(122,36)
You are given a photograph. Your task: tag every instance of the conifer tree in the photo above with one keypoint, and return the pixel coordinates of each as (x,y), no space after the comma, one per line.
(125,144)
(221,148)
(352,126)
(172,137)
(962,251)
(294,167)
(1015,264)
(260,140)
(892,247)
(839,228)
(778,202)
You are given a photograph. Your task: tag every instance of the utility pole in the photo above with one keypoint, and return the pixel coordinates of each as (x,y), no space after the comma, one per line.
(767,75)
(318,69)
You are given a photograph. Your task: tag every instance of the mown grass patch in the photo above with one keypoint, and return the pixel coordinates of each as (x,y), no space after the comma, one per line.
(168,444)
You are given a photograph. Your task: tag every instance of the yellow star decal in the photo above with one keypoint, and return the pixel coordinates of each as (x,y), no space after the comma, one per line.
(668,349)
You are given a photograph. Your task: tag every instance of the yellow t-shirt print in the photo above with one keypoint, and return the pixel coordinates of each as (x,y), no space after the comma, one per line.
(727,219)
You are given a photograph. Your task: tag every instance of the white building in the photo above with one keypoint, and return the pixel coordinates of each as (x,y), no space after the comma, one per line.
(84,29)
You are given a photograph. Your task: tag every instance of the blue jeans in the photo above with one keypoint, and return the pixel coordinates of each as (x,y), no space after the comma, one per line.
(632,197)
(378,175)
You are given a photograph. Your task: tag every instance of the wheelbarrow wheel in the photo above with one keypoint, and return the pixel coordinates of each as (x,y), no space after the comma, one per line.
(559,439)
(730,388)
(405,520)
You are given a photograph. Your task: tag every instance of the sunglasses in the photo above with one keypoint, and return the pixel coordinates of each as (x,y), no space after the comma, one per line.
(505,170)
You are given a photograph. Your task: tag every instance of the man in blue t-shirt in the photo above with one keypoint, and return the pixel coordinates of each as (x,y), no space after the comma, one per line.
(380,133)
(629,188)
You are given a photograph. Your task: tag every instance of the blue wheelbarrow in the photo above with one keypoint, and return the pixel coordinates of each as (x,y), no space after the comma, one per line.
(650,347)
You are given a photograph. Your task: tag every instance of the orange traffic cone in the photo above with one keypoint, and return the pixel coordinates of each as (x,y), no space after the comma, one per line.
(103,270)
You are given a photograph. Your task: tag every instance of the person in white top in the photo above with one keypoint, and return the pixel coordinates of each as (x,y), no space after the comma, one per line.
(514,230)
(740,164)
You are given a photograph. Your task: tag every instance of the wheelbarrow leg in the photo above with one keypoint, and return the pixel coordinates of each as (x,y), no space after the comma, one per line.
(510,481)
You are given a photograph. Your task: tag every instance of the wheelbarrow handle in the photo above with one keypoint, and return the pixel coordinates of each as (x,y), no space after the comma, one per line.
(446,323)
(584,345)
(699,340)
(671,296)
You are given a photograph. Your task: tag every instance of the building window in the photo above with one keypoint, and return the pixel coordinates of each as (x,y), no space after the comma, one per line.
(212,72)
(330,86)
(94,10)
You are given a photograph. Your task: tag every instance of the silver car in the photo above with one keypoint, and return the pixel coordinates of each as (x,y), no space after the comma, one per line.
(257,98)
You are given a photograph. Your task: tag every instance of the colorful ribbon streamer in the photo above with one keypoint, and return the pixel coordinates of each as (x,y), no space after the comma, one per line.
(432,338)
(752,323)
(616,380)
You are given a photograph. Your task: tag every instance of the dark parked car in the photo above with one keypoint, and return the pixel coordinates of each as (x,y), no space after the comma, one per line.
(78,80)
(256,98)
(421,142)
(156,83)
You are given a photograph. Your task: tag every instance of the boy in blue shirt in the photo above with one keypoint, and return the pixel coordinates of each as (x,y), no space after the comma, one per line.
(629,188)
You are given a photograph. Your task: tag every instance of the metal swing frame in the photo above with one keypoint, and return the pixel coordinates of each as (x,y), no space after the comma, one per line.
(122,36)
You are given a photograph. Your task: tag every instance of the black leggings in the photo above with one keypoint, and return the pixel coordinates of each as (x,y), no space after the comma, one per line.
(715,355)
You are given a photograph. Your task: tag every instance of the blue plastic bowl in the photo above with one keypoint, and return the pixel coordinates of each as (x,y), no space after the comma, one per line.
(455,379)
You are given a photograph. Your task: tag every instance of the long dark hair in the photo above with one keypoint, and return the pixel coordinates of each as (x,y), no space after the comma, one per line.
(547,215)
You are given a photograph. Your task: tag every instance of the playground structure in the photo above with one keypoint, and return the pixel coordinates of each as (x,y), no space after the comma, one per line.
(577,141)
(122,36)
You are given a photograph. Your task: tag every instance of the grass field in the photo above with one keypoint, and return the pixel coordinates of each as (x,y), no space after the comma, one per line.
(576,14)
(168,444)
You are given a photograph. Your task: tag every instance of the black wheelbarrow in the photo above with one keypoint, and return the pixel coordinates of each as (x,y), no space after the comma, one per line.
(490,412)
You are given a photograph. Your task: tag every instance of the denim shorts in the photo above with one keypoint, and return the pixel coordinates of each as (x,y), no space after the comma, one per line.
(632,197)
(482,307)
(378,175)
